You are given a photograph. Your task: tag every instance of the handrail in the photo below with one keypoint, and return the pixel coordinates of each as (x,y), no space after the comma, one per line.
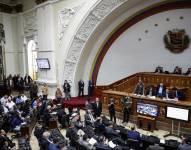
(128,83)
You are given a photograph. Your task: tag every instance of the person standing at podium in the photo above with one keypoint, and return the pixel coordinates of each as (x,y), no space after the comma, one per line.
(139,89)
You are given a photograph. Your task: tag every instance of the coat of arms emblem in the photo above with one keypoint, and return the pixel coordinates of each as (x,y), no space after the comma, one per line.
(176,40)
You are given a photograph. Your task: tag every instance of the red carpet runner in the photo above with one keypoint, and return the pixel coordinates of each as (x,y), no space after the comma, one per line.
(76,102)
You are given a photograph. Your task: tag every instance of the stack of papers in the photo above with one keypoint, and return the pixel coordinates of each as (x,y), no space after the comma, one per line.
(92,141)
(111,144)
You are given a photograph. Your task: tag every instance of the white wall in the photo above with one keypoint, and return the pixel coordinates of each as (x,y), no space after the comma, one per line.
(13,46)
(128,55)
(46,44)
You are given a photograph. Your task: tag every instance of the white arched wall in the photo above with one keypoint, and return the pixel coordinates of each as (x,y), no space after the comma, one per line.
(141,47)
(102,32)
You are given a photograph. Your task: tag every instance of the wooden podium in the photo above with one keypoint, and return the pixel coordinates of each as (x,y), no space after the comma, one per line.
(146,123)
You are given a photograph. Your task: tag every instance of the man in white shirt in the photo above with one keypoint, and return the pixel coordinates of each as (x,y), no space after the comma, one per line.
(10,104)
(23,97)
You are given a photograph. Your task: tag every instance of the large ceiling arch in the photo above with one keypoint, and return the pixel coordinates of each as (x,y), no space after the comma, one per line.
(74,63)
(160,7)
(95,16)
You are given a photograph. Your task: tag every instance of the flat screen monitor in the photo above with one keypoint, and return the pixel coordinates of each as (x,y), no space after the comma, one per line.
(147,109)
(43,63)
(177,113)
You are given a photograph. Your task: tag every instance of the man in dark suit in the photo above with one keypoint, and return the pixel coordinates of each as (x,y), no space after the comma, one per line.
(81,88)
(110,132)
(133,134)
(188,72)
(97,108)
(139,89)
(90,88)
(178,94)
(89,118)
(160,91)
(155,147)
(71,133)
(184,145)
(159,69)
(177,70)
(66,88)
(169,94)
(27,79)
(150,91)
(111,108)
(101,144)
(126,103)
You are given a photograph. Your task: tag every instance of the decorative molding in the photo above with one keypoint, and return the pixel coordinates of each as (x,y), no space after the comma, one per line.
(95,16)
(30,23)
(69,70)
(64,19)
(49,83)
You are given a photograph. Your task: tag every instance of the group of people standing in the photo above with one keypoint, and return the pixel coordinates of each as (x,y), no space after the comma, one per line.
(67,89)
(17,82)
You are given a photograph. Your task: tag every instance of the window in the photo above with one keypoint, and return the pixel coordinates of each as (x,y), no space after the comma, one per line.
(32,55)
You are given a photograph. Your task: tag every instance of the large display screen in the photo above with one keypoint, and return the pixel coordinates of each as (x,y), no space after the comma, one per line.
(177,113)
(43,63)
(147,109)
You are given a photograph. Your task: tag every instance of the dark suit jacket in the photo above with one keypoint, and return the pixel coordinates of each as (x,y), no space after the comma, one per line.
(139,89)
(184,147)
(97,109)
(110,132)
(81,85)
(188,72)
(71,133)
(155,147)
(158,70)
(153,92)
(27,79)
(134,135)
(112,108)
(102,146)
(163,91)
(66,87)
(88,119)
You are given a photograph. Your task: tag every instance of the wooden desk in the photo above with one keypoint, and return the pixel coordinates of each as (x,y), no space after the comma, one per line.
(146,123)
(161,120)
(169,80)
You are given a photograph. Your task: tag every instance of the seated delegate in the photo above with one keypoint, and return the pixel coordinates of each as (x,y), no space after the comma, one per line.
(177,70)
(151,91)
(188,72)
(139,89)
(160,90)
(159,69)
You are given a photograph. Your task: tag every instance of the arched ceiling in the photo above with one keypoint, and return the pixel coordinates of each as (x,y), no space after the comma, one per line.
(157,8)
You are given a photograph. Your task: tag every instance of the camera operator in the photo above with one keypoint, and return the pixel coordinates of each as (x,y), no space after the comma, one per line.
(126,103)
